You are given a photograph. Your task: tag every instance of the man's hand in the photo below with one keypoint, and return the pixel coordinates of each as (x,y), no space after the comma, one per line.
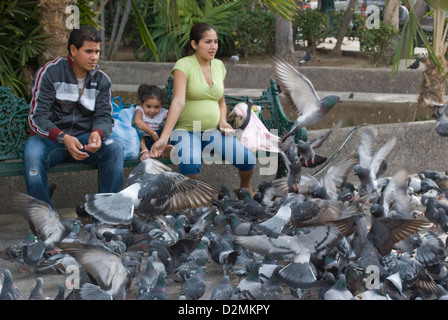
(94,142)
(74,147)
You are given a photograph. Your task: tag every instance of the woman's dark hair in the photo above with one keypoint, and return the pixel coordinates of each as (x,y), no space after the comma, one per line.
(196,34)
(84,33)
(146,91)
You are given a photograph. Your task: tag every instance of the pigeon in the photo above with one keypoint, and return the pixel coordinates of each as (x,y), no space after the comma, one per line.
(249,287)
(224,290)
(430,249)
(148,279)
(370,162)
(9,290)
(331,184)
(243,263)
(302,96)
(273,226)
(37,293)
(223,254)
(319,212)
(415,64)
(159,291)
(150,195)
(104,266)
(194,287)
(239,226)
(339,290)
(306,149)
(298,248)
(306,58)
(272,289)
(293,166)
(385,232)
(61,293)
(235,58)
(203,223)
(45,224)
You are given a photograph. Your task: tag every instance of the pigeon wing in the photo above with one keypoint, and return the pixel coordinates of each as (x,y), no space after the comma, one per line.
(299,90)
(42,218)
(173,192)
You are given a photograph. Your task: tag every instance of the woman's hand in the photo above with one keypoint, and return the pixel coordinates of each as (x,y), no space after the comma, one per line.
(226,128)
(157,148)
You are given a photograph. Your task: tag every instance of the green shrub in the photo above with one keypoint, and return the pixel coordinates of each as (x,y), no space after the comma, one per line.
(380,43)
(313,27)
(253,31)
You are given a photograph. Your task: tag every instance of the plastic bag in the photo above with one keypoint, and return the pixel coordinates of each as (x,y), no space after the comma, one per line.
(127,134)
(117,107)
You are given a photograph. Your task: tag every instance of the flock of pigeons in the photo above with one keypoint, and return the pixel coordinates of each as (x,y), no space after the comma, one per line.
(299,237)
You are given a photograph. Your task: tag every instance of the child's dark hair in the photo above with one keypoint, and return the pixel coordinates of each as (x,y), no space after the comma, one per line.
(196,34)
(146,91)
(84,33)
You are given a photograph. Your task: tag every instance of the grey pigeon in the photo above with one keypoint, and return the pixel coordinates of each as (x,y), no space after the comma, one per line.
(339,291)
(148,279)
(239,226)
(370,162)
(306,58)
(334,179)
(430,249)
(294,172)
(385,232)
(298,248)
(9,289)
(159,291)
(249,287)
(272,288)
(306,149)
(302,96)
(282,215)
(61,293)
(224,290)
(104,266)
(235,58)
(194,287)
(203,223)
(243,263)
(45,224)
(37,293)
(150,195)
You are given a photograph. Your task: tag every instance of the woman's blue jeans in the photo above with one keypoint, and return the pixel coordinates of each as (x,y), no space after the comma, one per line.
(213,146)
(41,153)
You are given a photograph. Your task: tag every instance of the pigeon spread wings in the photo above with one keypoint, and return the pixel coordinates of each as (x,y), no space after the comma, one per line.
(299,90)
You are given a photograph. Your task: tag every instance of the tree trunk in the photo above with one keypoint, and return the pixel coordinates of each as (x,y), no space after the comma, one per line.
(284,44)
(114,29)
(391,13)
(348,16)
(53,20)
(432,88)
(124,20)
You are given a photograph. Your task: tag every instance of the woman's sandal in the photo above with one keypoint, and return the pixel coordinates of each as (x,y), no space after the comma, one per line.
(144,155)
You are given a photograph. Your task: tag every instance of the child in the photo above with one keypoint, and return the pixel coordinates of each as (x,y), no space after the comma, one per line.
(149,117)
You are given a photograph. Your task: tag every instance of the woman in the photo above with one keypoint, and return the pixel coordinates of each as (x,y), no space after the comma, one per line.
(198,109)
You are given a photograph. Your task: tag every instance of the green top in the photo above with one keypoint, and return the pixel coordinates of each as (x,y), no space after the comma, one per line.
(201,101)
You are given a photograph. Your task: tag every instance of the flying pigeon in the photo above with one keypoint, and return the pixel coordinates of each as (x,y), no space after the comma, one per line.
(151,195)
(45,224)
(104,266)
(370,163)
(306,58)
(302,96)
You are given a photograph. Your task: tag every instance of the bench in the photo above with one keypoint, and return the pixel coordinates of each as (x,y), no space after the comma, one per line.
(15,129)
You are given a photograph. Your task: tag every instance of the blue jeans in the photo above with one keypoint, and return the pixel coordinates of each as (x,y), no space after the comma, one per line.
(211,145)
(41,153)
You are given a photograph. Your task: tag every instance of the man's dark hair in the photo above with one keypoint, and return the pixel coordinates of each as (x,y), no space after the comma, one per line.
(84,33)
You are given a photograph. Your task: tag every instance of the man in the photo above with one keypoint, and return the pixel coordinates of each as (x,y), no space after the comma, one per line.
(71,118)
